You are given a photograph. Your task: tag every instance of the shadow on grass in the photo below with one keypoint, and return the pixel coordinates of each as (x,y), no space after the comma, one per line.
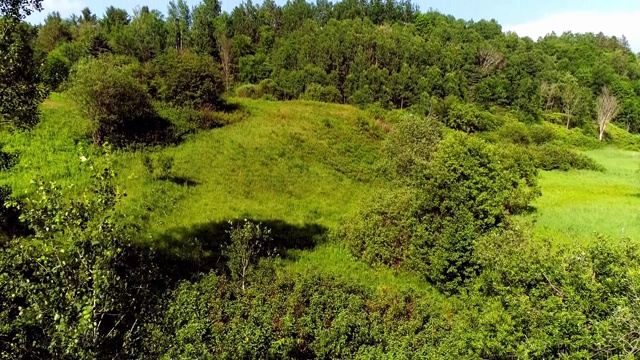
(197,249)
(168,125)
(181,180)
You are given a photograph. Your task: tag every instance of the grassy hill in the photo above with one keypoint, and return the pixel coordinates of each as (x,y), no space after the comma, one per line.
(297,166)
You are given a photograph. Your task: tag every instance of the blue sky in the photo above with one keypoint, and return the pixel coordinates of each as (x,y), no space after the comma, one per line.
(532,18)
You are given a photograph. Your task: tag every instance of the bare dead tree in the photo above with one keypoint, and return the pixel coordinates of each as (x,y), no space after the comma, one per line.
(225,58)
(549,93)
(570,101)
(608,108)
(490,59)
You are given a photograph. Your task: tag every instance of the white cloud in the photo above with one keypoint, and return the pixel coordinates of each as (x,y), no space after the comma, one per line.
(65,7)
(612,24)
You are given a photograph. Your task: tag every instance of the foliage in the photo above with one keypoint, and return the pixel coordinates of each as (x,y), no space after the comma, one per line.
(468,118)
(321,93)
(113,99)
(555,157)
(247,242)
(410,145)
(55,70)
(20,90)
(188,79)
(79,286)
(467,189)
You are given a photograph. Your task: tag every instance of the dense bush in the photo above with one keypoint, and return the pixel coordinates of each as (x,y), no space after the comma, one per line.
(55,70)
(384,231)
(21,90)
(78,288)
(318,92)
(468,118)
(410,145)
(250,91)
(115,101)
(556,157)
(188,79)
(516,133)
(266,89)
(532,300)
(466,190)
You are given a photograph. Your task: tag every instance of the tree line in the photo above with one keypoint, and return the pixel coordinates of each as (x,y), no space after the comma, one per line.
(359,52)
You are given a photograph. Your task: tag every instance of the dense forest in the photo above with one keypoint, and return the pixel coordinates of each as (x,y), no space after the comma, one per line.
(442,130)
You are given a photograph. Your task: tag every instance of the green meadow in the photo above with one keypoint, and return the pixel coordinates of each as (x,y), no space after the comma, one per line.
(577,204)
(299,163)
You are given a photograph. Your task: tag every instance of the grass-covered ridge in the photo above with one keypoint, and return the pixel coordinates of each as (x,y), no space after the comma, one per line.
(305,162)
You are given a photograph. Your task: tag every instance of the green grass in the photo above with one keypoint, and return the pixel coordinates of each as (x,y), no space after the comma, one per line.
(302,164)
(576,205)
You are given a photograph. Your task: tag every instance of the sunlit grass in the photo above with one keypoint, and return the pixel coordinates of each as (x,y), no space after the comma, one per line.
(575,205)
(302,163)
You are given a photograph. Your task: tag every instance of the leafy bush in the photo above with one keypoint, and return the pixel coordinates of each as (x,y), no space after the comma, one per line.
(55,69)
(531,300)
(318,92)
(555,157)
(541,134)
(117,104)
(79,286)
(468,118)
(248,241)
(189,80)
(557,299)
(410,145)
(384,230)
(516,133)
(266,88)
(21,91)
(249,91)
(467,189)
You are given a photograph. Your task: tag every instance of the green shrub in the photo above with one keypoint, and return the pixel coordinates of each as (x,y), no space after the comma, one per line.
(467,189)
(266,88)
(410,145)
(269,87)
(55,70)
(518,161)
(73,51)
(516,133)
(118,105)
(78,285)
(555,157)
(247,243)
(249,91)
(318,92)
(558,299)
(158,167)
(188,80)
(541,134)
(468,118)
(555,118)
(384,230)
